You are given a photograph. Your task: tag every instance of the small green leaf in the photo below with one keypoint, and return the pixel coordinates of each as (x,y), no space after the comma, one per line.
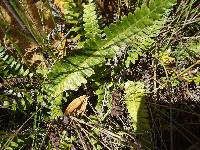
(13,144)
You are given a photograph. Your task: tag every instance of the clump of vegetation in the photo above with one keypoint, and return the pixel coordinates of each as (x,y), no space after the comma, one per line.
(86,74)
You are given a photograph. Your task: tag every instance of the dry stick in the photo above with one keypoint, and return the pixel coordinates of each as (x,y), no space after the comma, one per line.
(185,24)
(193,37)
(95,138)
(186,70)
(82,129)
(133,145)
(171,120)
(191,21)
(154,77)
(180,126)
(80,137)
(156,128)
(105,131)
(154,64)
(170,97)
(180,110)
(155,87)
(85,131)
(177,129)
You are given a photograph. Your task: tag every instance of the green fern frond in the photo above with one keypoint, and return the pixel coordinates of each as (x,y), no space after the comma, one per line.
(137,108)
(135,24)
(9,63)
(73,17)
(71,72)
(91,26)
(136,30)
(71,13)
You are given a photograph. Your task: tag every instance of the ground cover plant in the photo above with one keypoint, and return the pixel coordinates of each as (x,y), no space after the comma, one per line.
(99,74)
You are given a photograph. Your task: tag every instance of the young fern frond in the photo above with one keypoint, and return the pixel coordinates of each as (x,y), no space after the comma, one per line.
(71,72)
(91,26)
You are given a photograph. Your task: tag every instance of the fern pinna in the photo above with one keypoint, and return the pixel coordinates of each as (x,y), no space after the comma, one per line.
(72,71)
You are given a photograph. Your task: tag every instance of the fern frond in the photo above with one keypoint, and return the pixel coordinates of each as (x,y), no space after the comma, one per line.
(136,31)
(71,72)
(91,26)
(70,11)
(137,23)
(73,17)
(137,108)
(10,66)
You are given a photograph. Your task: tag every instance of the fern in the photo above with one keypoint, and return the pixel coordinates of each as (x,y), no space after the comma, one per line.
(137,108)
(91,26)
(133,26)
(9,63)
(73,17)
(70,11)
(10,67)
(71,72)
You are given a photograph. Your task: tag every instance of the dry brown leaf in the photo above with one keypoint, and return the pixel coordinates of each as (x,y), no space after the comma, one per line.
(60,5)
(78,104)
